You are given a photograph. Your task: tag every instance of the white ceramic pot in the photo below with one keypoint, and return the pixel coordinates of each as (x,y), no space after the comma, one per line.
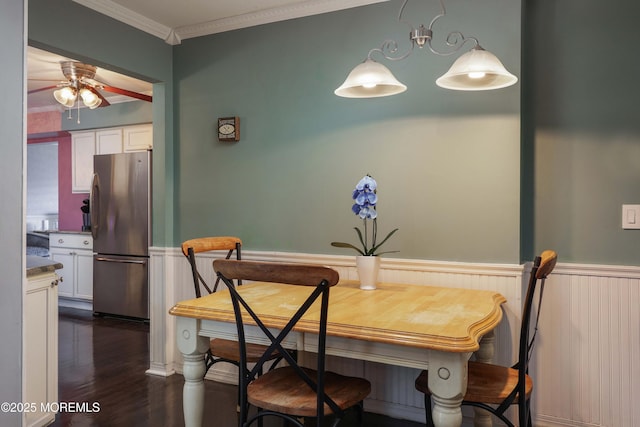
(368,267)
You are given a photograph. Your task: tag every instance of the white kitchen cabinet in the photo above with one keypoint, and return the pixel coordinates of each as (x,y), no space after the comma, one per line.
(85,144)
(75,252)
(40,349)
(83,147)
(108,141)
(138,138)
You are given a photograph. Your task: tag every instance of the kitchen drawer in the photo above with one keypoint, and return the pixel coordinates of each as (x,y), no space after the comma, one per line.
(71,240)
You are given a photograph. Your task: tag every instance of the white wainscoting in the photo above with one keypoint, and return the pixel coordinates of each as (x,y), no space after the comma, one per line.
(587,363)
(588,344)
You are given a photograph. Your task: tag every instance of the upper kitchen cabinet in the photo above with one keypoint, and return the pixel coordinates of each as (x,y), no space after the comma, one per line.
(85,144)
(109,141)
(83,147)
(137,138)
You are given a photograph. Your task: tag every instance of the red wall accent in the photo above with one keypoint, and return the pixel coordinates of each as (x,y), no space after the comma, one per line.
(48,121)
(69,213)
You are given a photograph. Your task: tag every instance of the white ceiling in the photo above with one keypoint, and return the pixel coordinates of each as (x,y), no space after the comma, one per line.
(172,21)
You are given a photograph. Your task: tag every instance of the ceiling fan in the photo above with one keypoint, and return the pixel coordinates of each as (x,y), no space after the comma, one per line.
(81,84)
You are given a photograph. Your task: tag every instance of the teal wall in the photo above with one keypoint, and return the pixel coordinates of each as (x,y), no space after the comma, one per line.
(12,212)
(456,176)
(66,28)
(447,162)
(125,113)
(584,129)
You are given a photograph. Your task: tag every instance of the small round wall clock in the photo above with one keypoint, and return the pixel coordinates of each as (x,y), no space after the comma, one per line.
(229,129)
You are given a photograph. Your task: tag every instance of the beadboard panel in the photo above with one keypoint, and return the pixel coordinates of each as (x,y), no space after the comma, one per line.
(587,363)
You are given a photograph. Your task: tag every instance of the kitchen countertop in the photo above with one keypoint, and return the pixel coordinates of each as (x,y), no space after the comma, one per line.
(66,232)
(39,265)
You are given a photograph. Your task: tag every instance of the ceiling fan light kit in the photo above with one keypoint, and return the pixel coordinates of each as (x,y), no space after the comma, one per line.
(89,98)
(82,87)
(66,96)
(475,70)
(79,78)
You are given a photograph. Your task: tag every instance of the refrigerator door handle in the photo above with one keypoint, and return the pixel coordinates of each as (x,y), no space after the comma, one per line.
(94,205)
(123,261)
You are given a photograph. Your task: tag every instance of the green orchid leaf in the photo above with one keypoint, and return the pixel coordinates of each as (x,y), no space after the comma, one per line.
(362,241)
(346,245)
(385,239)
(386,252)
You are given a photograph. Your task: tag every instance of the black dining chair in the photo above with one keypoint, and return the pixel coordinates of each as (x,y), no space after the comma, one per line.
(291,392)
(495,388)
(221,350)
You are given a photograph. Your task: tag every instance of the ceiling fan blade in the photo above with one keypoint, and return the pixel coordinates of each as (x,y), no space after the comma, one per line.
(104,102)
(129,93)
(41,89)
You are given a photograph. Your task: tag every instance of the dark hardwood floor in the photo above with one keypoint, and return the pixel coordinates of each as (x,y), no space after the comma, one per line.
(103,362)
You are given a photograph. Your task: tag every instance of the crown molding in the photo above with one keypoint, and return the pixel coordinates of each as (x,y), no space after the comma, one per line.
(174,36)
(267,16)
(127,16)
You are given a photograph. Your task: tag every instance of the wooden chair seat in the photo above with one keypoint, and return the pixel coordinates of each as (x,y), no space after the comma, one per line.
(230,350)
(495,388)
(487,383)
(282,390)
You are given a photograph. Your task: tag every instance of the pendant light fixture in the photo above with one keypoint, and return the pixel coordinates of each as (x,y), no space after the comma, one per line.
(477,69)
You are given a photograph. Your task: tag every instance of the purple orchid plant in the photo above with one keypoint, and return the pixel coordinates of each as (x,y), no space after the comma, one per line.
(365,201)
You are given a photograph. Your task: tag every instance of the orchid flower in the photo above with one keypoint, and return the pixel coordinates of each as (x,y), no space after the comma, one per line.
(365,201)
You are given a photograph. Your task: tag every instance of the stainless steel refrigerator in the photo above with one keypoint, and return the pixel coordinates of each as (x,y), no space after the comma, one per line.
(120,225)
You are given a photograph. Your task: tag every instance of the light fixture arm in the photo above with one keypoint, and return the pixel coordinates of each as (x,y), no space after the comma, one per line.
(422,36)
(389,48)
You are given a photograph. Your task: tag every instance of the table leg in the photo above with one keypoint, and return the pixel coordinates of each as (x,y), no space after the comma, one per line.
(485,354)
(487,348)
(192,348)
(447,383)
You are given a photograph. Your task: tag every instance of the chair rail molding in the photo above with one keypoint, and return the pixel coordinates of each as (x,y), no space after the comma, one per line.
(588,347)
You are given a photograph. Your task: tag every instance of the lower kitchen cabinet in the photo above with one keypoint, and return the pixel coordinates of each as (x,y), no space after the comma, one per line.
(75,252)
(40,350)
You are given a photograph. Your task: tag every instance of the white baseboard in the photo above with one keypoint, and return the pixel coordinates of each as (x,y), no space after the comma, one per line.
(75,303)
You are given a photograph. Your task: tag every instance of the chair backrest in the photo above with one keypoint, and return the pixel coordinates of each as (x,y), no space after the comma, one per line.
(319,279)
(542,266)
(206,244)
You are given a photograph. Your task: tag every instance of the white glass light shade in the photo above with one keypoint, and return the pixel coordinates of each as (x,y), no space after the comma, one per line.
(369,80)
(477,69)
(65,96)
(89,98)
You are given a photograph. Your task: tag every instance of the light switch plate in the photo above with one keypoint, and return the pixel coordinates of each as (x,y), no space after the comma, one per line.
(631,217)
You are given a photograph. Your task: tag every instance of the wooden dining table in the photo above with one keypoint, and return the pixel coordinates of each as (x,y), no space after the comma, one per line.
(418,326)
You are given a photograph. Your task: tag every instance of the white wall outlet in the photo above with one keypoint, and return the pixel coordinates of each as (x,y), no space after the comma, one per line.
(630,217)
